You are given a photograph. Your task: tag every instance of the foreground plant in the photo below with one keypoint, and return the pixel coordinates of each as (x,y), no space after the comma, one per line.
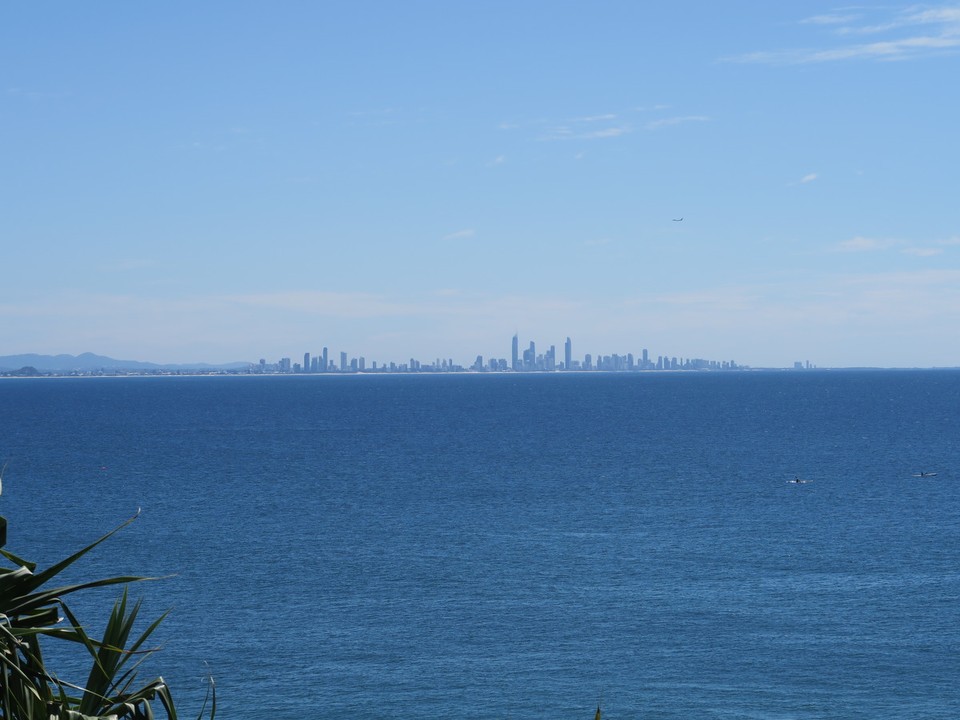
(30,610)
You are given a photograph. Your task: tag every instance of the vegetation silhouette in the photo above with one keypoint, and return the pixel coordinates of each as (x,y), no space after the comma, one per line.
(31,610)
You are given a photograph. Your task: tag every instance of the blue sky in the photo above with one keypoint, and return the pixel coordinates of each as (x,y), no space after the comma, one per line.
(227,181)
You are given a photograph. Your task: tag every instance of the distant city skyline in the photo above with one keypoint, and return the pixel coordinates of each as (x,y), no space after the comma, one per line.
(529,360)
(327,360)
(203,182)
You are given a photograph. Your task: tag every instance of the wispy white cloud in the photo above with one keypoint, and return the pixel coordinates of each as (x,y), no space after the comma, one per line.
(863,244)
(374,118)
(922,252)
(127,265)
(498,160)
(559,132)
(355,305)
(829,19)
(582,127)
(948,18)
(606,117)
(586,130)
(846,319)
(913,32)
(610,132)
(722,299)
(928,251)
(679,120)
(605,126)
(866,244)
(460,234)
(931,279)
(808,178)
(37,94)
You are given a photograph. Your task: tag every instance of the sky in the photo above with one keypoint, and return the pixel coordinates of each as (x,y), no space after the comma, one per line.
(229,180)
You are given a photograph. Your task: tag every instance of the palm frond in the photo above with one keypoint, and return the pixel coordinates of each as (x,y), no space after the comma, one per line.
(31,611)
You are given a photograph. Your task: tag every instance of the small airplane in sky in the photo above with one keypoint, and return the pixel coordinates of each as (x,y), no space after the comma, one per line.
(678,219)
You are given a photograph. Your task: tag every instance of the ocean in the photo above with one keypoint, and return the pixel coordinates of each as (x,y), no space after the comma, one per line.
(514,546)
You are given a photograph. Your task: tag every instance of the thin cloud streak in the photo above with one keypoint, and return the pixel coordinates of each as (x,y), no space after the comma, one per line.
(612,125)
(668,122)
(863,244)
(829,19)
(127,265)
(568,133)
(350,305)
(945,36)
(866,244)
(460,235)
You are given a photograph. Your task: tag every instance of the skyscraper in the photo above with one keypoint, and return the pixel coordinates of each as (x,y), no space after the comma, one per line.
(530,357)
(516,353)
(567,355)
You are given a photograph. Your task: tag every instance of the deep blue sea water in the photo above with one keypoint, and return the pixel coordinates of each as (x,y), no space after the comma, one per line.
(515,546)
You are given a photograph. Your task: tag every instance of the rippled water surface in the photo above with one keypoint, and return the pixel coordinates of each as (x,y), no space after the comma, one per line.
(516,545)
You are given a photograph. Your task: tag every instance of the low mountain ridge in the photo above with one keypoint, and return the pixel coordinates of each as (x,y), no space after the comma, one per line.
(89,362)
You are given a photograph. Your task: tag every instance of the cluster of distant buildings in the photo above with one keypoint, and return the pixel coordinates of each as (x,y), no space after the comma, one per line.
(527,360)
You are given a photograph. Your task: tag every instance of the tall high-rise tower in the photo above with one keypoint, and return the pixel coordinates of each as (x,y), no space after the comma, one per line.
(567,354)
(515,356)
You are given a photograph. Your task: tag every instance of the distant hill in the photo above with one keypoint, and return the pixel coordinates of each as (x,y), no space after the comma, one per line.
(88,362)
